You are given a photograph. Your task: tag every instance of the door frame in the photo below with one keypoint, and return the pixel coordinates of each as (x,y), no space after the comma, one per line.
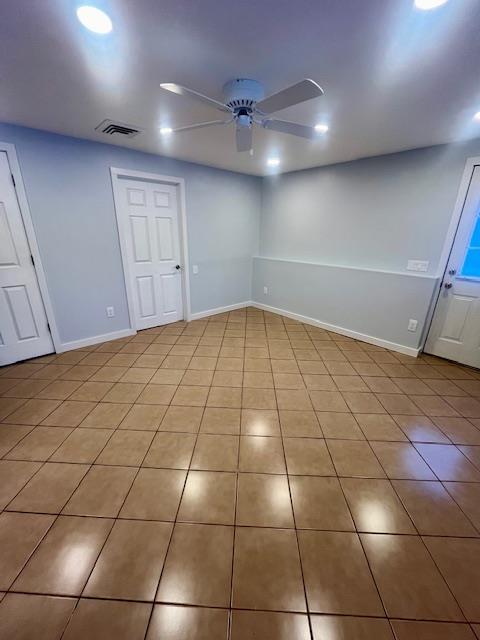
(24,207)
(117,174)
(462,193)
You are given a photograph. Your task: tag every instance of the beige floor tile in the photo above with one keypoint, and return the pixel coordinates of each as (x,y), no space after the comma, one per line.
(182,419)
(168,376)
(82,446)
(401,461)
(138,375)
(26,388)
(13,476)
(266,573)
(341,426)
(11,434)
(328,401)
(351,383)
(170,622)
(434,406)
(472,453)
(101,492)
(376,507)
(263,501)
(467,407)
(298,424)
(420,429)
(69,414)
(51,371)
(221,421)
(154,495)
(350,628)
(198,377)
(92,391)
(145,417)
(354,459)
(225,397)
(176,362)
(293,399)
(379,384)
(62,562)
(448,462)
(208,498)
(399,403)
(215,453)
(459,430)
(49,489)
(319,382)
(467,496)
(39,444)
(336,574)
(308,456)
(258,399)
(190,396)
(131,561)
(124,392)
(410,630)
(260,422)
(108,620)
(170,451)
(106,415)
(413,386)
(226,379)
(31,412)
(198,567)
(229,364)
(378,426)
(288,381)
(261,454)
(126,448)
(362,402)
(260,364)
(286,366)
(318,503)
(24,617)
(58,389)
(269,625)
(157,394)
(409,582)
(20,533)
(432,509)
(109,374)
(459,562)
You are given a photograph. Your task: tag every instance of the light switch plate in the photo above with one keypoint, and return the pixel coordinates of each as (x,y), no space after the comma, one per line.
(412,324)
(417,265)
(195,269)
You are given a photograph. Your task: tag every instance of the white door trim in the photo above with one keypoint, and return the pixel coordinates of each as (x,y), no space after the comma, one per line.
(179,183)
(467,175)
(22,199)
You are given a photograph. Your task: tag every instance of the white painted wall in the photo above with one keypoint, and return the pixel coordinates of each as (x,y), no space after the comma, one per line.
(372,215)
(69,189)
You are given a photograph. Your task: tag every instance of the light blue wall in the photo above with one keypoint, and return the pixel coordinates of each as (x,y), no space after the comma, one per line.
(371,216)
(69,190)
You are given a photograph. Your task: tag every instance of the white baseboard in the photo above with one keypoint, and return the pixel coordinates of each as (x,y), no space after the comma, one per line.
(87,342)
(213,312)
(379,342)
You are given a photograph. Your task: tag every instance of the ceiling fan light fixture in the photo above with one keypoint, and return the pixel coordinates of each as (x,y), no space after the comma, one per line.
(166,131)
(321,127)
(273,162)
(476,117)
(426,5)
(94,19)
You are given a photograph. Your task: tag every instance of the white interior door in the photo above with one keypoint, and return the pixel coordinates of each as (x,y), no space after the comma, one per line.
(150,230)
(455,329)
(24,329)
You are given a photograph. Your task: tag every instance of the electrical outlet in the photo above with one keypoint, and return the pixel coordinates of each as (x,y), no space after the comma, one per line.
(195,269)
(412,324)
(417,265)
(110,312)
(265,290)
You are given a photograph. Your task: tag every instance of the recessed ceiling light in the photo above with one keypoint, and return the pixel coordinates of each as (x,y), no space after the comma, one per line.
(477,116)
(273,162)
(94,19)
(429,4)
(321,128)
(165,131)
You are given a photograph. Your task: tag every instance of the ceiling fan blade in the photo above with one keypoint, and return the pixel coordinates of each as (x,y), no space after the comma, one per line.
(244,138)
(300,92)
(200,125)
(292,128)
(184,91)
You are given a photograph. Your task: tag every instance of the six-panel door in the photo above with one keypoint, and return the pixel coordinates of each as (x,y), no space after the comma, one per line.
(151,233)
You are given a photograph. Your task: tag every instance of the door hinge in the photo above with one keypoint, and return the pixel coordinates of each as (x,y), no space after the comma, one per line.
(48,327)
(13,180)
(31,258)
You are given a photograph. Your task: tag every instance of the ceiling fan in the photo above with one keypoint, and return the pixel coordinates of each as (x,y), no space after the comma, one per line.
(246,106)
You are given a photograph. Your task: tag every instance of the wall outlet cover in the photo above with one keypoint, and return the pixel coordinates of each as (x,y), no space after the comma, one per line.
(265,290)
(412,324)
(195,269)
(110,312)
(417,265)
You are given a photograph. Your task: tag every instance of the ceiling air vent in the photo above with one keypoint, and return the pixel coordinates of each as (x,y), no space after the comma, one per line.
(111,128)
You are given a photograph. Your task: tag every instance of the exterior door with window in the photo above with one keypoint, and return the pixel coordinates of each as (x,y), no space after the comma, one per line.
(455,329)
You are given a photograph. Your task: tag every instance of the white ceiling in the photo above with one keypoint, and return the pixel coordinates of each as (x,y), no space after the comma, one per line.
(394,77)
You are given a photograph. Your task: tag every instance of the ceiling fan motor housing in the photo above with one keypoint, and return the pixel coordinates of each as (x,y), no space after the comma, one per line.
(242,94)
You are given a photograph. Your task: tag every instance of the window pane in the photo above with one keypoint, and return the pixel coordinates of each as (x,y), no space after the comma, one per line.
(475,242)
(471,266)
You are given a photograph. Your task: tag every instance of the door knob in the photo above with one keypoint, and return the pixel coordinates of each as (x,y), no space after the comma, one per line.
(448,285)
(178,267)
(452,272)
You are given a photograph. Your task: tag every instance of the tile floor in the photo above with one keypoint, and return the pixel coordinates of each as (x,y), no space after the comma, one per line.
(244,476)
